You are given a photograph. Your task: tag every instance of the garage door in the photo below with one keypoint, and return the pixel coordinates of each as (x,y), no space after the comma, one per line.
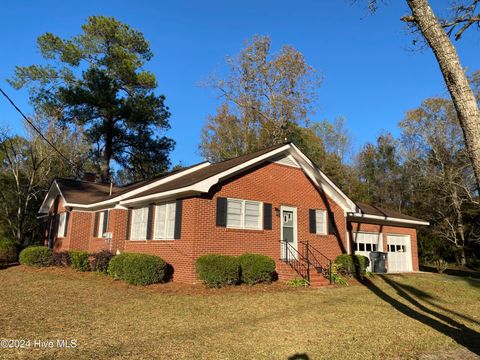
(399,253)
(364,243)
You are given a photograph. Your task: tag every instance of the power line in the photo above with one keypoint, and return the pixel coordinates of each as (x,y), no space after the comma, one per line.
(36,129)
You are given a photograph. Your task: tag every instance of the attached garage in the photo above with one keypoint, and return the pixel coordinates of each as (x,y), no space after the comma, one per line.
(399,253)
(399,249)
(388,231)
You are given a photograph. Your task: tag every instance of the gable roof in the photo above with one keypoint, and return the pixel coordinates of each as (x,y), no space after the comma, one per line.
(84,192)
(199,178)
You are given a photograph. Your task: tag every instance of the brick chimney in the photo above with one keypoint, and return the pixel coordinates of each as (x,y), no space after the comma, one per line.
(90,177)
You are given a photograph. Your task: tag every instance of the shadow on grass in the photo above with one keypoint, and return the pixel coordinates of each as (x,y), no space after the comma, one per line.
(299,356)
(460,333)
(426,297)
(6,266)
(454,272)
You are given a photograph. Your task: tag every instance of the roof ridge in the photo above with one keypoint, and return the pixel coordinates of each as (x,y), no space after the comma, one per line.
(273,147)
(85,182)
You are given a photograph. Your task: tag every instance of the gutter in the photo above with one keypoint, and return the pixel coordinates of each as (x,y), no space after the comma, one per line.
(354,216)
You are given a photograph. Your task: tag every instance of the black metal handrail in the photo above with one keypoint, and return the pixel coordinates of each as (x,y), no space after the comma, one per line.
(311,258)
(320,262)
(296,260)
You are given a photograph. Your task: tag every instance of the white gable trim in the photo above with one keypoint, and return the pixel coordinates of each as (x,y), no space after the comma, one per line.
(323,182)
(204,186)
(287,160)
(141,189)
(318,178)
(52,193)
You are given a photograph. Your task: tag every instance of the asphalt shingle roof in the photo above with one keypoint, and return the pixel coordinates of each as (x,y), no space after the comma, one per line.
(378,211)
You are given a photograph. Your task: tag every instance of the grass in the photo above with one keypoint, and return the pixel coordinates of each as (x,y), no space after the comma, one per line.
(453,269)
(396,316)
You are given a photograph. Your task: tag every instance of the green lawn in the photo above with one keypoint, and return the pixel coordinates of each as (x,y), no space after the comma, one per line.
(396,316)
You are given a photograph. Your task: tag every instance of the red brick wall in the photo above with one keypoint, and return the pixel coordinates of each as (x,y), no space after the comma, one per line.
(391,230)
(178,253)
(270,183)
(278,185)
(84,239)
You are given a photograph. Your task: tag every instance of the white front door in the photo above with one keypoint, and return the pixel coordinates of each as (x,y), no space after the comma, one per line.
(288,232)
(399,253)
(365,243)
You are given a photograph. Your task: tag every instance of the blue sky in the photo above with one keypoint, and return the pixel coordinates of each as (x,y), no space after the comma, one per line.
(371,75)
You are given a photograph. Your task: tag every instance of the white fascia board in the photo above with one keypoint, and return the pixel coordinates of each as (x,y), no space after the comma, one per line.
(387,218)
(190,190)
(140,189)
(50,198)
(325,183)
(204,186)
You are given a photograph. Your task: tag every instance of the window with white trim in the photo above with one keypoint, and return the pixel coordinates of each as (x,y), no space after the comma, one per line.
(321,222)
(164,227)
(101,220)
(62,222)
(244,214)
(139,223)
(367,242)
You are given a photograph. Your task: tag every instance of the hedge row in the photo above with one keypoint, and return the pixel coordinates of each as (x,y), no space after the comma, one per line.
(137,269)
(217,270)
(42,256)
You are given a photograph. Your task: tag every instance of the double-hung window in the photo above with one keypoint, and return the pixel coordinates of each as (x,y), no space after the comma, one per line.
(100,225)
(62,222)
(321,222)
(244,214)
(139,223)
(164,228)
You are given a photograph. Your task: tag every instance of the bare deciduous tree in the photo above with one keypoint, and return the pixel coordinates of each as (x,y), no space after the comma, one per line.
(441,171)
(27,166)
(264,97)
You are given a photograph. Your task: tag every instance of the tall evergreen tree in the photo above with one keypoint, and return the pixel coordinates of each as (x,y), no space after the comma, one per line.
(96,79)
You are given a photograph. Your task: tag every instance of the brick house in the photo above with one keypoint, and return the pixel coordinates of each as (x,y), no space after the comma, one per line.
(274,202)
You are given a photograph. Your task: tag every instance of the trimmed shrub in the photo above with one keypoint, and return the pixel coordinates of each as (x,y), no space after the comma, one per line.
(61,258)
(256,268)
(115,267)
(8,252)
(352,264)
(100,260)
(138,269)
(38,256)
(80,260)
(218,270)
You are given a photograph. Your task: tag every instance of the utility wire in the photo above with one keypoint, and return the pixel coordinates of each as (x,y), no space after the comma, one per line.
(37,130)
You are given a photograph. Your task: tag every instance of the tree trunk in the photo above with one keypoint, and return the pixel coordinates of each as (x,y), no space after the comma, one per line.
(454,76)
(107,152)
